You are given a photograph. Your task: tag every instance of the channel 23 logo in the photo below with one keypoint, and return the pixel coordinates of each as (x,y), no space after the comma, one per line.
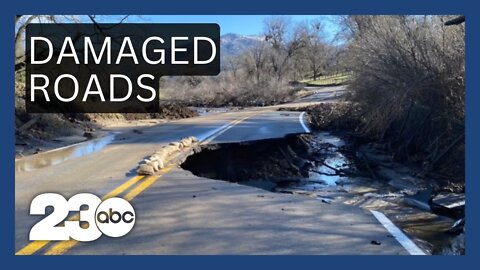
(113,217)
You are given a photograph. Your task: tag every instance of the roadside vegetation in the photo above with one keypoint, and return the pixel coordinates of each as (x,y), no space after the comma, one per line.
(409,87)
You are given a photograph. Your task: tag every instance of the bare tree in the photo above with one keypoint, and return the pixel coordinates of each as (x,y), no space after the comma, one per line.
(255,60)
(275,29)
(233,64)
(315,49)
(22,21)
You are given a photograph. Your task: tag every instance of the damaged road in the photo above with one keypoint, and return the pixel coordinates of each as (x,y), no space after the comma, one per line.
(325,167)
(181,213)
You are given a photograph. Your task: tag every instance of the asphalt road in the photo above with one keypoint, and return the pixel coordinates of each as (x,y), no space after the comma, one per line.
(325,94)
(179,213)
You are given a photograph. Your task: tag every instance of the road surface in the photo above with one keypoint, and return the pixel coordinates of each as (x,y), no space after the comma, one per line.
(179,213)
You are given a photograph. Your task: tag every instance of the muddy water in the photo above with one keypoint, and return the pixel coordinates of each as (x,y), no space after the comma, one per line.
(57,156)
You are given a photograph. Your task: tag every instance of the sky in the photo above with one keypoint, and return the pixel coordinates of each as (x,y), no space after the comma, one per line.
(238,24)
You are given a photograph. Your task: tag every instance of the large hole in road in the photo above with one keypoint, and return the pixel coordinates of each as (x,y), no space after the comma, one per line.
(323,166)
(273,163)
(269,161)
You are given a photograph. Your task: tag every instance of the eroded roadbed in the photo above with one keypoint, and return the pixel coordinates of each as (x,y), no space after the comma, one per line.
(324,167)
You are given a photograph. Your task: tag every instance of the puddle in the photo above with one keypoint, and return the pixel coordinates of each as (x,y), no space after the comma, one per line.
(57,156)
(325,173)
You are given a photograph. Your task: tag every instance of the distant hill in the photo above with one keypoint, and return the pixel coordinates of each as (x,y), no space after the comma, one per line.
(234,44)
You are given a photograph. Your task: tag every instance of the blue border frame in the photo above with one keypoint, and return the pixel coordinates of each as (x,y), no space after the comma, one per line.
(7,188)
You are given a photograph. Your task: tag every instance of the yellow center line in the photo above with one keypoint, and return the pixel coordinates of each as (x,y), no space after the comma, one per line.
(64,246)
(32,247)
(123,187)
(145,184)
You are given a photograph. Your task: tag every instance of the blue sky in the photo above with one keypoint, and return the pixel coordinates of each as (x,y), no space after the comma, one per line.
(238,24)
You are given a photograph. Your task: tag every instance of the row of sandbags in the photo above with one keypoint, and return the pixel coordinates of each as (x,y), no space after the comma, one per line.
(158,160)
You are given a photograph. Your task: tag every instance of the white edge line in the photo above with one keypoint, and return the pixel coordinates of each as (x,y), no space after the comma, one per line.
(300,118)
(402,238)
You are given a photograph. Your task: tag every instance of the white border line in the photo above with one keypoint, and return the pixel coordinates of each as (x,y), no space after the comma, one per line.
(300,118)
(402,238)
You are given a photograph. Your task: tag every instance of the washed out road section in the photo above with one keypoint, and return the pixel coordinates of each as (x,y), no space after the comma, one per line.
(184,214)
(99,172)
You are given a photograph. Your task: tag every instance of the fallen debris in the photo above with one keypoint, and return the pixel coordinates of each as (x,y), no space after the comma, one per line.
(458,227)
(448,204)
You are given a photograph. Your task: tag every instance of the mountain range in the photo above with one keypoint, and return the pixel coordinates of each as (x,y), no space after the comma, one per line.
(234,44)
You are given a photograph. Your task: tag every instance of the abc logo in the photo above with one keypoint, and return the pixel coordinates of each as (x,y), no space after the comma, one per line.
(114,217)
